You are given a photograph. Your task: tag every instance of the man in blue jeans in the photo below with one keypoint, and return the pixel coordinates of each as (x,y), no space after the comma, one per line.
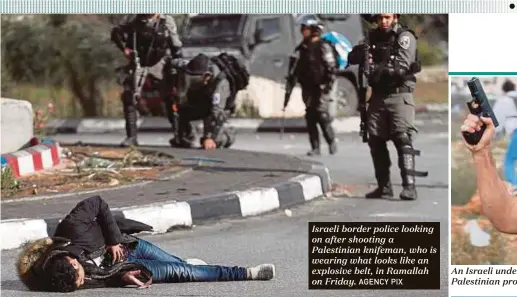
(505,109)
(89,250)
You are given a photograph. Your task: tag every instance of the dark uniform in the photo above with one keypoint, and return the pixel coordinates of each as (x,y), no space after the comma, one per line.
(391,110)
(157,42)
(314,69)
(203,101)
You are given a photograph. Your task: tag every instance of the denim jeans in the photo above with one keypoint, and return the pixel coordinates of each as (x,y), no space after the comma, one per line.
(510,161)
(168,268)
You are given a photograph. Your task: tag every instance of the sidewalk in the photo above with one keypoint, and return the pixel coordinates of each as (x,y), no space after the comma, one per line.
(161,124)
(246,184)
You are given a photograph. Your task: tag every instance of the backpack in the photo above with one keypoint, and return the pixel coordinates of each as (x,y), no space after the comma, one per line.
(341,47)
(235,72)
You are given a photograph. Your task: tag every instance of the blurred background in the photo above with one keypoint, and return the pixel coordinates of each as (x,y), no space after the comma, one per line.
(468,223)
(65,64)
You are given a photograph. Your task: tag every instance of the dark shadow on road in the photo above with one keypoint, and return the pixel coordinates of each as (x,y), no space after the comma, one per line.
(13,285)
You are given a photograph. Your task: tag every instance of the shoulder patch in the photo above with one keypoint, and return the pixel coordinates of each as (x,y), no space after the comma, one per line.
(216,98)
(404,42)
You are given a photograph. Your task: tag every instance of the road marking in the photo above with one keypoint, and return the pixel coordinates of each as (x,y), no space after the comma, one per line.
(400,215)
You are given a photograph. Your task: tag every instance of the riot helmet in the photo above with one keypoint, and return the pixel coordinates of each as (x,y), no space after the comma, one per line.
(312,22)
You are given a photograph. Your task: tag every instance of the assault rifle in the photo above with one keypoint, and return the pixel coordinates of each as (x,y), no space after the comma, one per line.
(478,105)
(289,86)
(364,72)
(139,73)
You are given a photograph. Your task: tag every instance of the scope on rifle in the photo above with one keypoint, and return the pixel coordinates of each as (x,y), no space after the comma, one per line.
(478,105)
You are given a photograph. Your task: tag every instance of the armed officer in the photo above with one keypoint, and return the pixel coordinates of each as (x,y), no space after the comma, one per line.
(313,66)
(206,93)
(154,38)
(393,62)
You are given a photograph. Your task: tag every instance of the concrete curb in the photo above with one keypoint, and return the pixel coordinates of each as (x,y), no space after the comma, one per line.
(164,217)
(32,159)
(158,124)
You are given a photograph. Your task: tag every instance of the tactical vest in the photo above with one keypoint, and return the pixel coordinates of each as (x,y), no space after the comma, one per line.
(312,69)
(386,45)
(151,40)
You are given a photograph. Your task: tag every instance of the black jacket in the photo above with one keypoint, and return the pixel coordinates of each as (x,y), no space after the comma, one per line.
(83,234)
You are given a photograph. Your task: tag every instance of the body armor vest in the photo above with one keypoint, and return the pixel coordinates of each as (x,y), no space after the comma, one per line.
(311,62)
(151,40)
(384,47)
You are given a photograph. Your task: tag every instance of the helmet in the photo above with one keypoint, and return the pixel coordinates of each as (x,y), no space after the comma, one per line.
(310,21)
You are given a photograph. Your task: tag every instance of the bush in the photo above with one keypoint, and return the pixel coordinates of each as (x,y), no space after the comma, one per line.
(66,51)
(429,54)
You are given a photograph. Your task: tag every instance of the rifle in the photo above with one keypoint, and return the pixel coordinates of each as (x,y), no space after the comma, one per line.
(139,73)
(478,105)
(364,72)
(289,86)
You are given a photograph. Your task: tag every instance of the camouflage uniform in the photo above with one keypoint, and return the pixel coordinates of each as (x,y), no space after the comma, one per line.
(315,71)
(157,42)
(391,110)
(205,102)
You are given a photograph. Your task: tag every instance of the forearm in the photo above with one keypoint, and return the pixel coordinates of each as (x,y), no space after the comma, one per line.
(497,203)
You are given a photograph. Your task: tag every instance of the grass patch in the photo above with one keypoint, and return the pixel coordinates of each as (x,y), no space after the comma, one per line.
(431,92)
(65,104)
(464,253)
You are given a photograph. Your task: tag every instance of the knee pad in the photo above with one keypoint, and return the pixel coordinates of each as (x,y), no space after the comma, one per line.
(325,117)
(402,139)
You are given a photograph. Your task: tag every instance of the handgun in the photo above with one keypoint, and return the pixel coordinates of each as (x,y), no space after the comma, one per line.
(478,105)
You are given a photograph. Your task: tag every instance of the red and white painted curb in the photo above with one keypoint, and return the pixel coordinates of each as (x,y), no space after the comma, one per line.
(32,159)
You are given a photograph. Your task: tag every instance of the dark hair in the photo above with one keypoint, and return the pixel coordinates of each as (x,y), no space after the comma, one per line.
(61,275)
(508,86)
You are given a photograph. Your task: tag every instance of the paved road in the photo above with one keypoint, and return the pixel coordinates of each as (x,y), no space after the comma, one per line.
(282,240)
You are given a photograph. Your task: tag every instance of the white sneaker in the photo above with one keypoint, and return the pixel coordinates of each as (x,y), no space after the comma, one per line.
(195,262)
(261,272)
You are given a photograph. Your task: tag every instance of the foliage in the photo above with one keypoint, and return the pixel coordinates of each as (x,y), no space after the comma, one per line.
(8,181)
(72,51)
(57,57)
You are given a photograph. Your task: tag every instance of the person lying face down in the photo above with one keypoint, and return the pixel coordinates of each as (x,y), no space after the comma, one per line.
(91,249)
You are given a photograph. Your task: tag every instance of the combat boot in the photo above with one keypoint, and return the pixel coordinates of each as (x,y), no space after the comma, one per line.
(314,152)
(384,190)
(131,127)
(407,169)
(315,148)
(333,147)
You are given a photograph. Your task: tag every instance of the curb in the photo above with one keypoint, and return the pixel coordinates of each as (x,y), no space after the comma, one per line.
(32,159)
(164,217)
(162,125)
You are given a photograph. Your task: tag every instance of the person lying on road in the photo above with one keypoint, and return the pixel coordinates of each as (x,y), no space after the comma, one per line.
(91,248)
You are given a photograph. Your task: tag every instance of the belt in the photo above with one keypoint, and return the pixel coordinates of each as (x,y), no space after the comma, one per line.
(398,90)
